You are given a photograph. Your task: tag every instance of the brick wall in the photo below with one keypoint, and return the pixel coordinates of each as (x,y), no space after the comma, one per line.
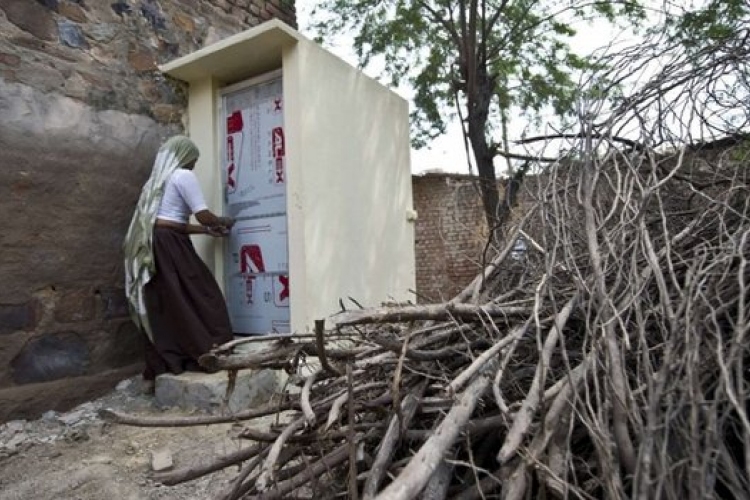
(84,109)
(450,234)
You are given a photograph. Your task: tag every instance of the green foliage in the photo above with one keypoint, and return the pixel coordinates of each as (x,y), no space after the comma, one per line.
(445,49)
(715,22)
(489,60)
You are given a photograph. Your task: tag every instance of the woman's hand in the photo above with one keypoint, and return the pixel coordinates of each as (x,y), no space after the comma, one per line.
(218,231)
(226,222)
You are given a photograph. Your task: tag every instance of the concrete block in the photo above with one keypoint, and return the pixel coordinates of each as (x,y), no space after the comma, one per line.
(161,460)
(206,392)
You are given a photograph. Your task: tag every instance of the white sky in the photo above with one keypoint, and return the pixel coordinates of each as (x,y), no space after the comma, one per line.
(446,153)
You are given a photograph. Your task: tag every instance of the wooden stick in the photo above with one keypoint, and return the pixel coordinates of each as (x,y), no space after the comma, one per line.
(437,486)
(389,357)
(427,312)
(281,489)
(353,493)
(415,475)
(195,471)
(488,484)
(256,361)
(314,437)
(234,489)
(265,479)
(271,338)
(523,419)
(304,399)
(114,416)
(474,427)
(388,443)
(448,352)
(478,363)
(472,288)
(335,412)
(515,487)
(321,348)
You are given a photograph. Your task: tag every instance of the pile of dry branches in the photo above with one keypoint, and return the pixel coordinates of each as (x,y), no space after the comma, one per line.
(607,362)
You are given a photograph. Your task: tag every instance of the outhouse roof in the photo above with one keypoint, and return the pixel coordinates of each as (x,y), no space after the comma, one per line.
(238,57)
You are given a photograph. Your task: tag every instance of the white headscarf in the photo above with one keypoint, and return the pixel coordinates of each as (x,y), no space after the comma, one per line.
(176,152)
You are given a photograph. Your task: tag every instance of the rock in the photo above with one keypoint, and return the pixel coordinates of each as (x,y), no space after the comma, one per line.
(184,22)
(9,59)
(103,32)
(202,391)
(131,448)
(73,12)
(17,316)
(74,305)
(100,459)
(13,426)
(124,385)
(76,435)
(142,59)
(49,416)
(49,358)
(72,418)
(161,460)
(30,17)
(71,34)
(16,441)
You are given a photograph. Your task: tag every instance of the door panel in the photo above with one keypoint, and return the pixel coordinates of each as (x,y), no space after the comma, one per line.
(256,256)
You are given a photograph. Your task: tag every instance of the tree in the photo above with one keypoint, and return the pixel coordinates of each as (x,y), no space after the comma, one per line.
(480,60)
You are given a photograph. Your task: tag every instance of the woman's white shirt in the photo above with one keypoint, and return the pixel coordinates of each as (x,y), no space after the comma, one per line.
(182,197)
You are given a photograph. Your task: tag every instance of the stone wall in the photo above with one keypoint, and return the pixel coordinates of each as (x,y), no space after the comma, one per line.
(450,234)
(83,110)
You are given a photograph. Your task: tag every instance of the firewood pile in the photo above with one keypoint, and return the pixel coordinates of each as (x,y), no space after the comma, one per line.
(609,360)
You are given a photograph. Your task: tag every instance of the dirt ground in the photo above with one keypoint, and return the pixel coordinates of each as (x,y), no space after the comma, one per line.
(77,456)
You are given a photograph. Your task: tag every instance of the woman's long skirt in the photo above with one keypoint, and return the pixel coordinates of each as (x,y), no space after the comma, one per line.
(186,309)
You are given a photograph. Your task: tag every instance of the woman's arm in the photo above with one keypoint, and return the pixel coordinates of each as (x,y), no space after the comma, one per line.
(190,191)
(208,218)
(196,229)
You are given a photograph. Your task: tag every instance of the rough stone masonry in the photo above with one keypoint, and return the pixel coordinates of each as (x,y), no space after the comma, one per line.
(83,110)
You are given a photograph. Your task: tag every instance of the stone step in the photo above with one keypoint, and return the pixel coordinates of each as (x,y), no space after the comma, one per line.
(191,391)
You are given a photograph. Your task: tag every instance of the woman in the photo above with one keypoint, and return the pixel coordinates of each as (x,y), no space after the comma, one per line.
(173,297)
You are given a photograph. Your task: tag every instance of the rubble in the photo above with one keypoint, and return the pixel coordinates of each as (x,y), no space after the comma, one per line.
(55,426)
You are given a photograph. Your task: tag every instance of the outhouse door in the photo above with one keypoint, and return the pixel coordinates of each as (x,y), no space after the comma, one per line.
(256,274)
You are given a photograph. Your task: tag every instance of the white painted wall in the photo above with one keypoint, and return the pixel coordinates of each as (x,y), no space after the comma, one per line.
(202,122)
(350,185)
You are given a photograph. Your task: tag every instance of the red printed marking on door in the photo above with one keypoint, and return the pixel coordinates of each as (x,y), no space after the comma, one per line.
(284,294)
(231,182)
(251,259)
(278,142)
(279,150)
(234,123)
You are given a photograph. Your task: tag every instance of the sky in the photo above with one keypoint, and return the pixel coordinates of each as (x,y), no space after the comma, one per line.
(447,152)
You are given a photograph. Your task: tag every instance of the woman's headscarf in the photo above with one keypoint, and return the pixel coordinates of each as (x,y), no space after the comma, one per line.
(176,152)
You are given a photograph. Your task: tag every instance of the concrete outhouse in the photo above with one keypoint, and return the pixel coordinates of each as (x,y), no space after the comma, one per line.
(312,159)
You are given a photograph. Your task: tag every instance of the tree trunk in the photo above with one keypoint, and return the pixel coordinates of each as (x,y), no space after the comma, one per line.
(479,99)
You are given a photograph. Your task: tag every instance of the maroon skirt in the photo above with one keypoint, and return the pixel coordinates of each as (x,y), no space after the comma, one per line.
(186,309)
